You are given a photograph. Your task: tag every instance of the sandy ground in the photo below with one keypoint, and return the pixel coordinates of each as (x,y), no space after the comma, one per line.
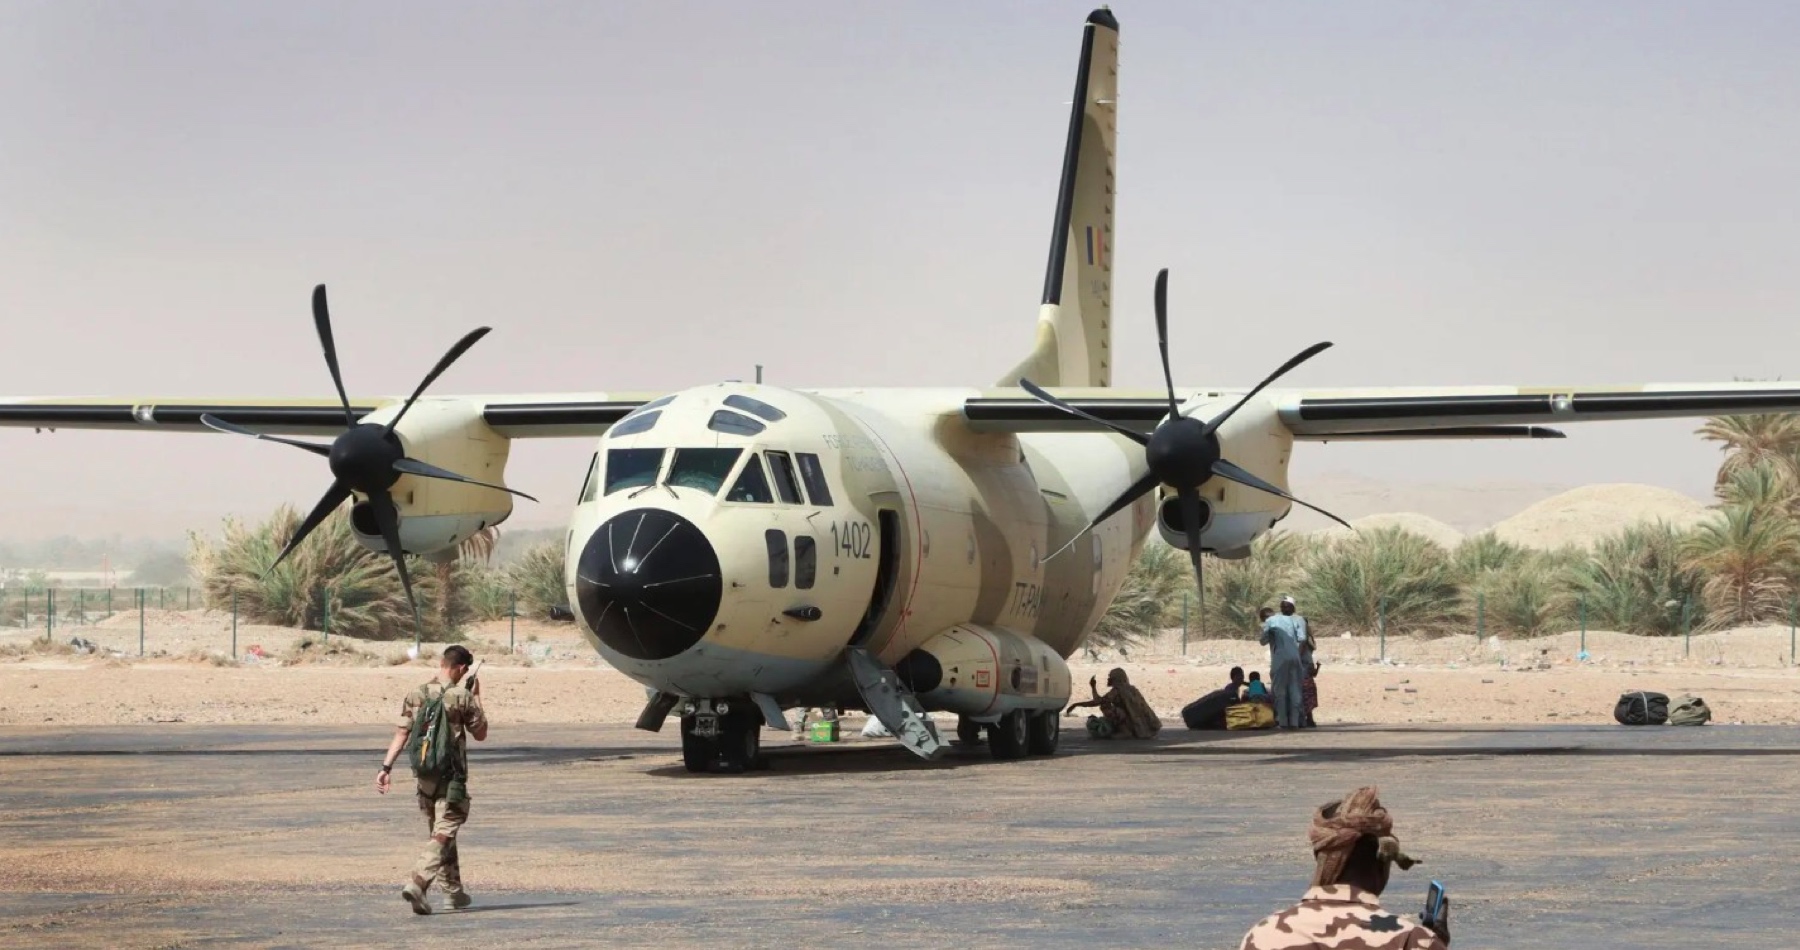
(592,835)
(552,676)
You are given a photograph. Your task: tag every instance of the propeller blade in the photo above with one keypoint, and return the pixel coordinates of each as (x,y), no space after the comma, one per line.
(1232,473)
(211,421)
(412,466)
(388,518)
(1301,357)
(1190,519)
(1044,397)
(322,321)
(462,346)
(1162,335)
(1138,489)
(334,496)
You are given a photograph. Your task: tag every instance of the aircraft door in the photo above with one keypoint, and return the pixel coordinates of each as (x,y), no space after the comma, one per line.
(887,575)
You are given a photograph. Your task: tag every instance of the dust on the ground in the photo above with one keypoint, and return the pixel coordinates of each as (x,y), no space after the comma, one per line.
(545,672)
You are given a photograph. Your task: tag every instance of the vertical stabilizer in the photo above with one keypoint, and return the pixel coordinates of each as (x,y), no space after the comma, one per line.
(1074,334)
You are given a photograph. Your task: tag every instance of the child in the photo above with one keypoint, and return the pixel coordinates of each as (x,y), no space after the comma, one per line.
(1256,691)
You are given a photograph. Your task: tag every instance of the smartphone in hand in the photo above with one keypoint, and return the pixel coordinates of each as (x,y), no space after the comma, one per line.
(1437,908)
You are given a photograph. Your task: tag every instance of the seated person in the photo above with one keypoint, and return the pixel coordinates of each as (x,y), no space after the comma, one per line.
(1124,712)
(1354,850)
(1256,691)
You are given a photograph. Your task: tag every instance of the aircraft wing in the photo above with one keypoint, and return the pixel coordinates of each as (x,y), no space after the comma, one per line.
(1344,415)
(545,415)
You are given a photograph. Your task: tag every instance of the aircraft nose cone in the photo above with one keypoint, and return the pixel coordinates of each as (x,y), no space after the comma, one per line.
(648,584)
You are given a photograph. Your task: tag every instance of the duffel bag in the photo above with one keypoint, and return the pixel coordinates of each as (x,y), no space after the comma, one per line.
(1642,708)
(1250,716)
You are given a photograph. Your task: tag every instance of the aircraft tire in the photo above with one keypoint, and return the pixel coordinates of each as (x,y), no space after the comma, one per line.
(1009,738)
(699,754)
(740,743)
(1044,732)
(968,731)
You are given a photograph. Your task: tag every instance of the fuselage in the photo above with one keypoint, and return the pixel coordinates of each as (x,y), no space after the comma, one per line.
(733,540)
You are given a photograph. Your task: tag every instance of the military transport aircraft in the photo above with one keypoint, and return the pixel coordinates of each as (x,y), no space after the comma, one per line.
(743,549)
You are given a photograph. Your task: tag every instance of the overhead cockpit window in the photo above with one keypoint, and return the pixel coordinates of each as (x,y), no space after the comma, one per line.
(631,468)
(702,469)
(755,407)
(752,486)
(636,422)
(786,488)
(734,423)
(813,474)
(589,486)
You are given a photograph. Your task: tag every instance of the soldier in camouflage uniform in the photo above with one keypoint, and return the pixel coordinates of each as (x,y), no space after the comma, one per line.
(445,804)
(1354,843)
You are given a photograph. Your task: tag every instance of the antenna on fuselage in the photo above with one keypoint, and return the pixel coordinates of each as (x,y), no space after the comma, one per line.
(759,374)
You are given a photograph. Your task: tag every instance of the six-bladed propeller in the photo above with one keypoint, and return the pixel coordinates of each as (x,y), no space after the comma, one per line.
(1183,453)
(367,458)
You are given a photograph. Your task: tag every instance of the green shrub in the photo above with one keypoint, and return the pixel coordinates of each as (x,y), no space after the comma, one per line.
(1636,582)
(1354,582)
(1150,597)
(536,576)
(1236,590)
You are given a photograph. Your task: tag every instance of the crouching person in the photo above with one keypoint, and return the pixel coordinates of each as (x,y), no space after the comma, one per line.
(436,721)
(1124,713)
(1354,844)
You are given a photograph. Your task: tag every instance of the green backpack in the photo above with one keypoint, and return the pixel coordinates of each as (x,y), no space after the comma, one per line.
(431,742)
(1689,711)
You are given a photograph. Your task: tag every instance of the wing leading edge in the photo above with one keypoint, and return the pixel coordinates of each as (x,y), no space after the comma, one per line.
(516,416)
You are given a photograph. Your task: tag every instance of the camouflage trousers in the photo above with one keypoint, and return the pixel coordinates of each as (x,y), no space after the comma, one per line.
(443,819)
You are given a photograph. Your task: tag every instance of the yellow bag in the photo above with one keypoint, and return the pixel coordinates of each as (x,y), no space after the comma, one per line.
(1250,716)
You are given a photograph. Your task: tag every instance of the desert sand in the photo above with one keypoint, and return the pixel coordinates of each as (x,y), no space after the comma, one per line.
(551,675)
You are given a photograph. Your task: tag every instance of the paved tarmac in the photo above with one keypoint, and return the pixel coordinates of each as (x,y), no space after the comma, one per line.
(204,836)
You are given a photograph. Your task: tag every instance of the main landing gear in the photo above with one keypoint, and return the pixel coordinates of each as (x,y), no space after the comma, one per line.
(725,736)
(1018,734)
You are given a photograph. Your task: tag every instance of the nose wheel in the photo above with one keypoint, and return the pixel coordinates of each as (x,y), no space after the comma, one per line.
(723,742)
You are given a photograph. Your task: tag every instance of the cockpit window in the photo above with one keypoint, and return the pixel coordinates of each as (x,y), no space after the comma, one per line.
(813,474)
(702,469)
(755,407)
(588,485)
(636,422)
(752,486)
(734,423)
(631,468)
(786,488)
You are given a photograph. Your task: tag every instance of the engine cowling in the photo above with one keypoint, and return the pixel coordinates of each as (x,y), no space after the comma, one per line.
(437,515)
(985,672)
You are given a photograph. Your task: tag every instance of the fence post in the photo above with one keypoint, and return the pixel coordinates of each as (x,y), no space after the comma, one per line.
(142,599)
(326,593)
(49,612)
(1687,635)
(1584,623)
(162,598)
(1790,633)
(1381,625)
(189,603)
(234,624)
(512,630)
(1184,622)
(1480,613)
(80,604)
(109,609)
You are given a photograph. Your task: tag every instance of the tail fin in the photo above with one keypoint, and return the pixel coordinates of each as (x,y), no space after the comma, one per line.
(1074,335)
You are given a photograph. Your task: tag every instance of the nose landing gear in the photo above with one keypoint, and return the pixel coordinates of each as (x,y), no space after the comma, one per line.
(725,736)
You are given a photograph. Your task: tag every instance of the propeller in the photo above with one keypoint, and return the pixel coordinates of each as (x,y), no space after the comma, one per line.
(1182,452)
(367,458)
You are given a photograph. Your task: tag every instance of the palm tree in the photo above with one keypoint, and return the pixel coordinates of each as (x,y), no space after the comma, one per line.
(1749,558)
(1146,601)
(1237,589)
(1747,440)
(1386,575)
(1766,486)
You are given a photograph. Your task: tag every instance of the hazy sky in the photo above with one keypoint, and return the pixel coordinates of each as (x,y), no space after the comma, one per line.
(657,195)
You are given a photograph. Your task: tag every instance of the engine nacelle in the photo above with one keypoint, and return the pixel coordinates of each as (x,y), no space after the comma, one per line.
(985,672)
(437,515)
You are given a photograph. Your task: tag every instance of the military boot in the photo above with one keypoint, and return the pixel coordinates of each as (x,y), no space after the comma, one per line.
(416,898)
(457,900)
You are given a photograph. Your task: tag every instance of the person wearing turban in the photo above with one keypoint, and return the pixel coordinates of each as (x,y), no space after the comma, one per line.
(1355,849)
(1124,712)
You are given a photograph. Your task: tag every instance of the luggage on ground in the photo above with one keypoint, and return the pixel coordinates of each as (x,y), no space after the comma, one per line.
(1250,716)
(1208,712)
(1689,711)
(1642,708)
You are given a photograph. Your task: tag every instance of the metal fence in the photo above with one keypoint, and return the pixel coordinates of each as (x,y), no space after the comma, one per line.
(1682,617)
(94,614)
